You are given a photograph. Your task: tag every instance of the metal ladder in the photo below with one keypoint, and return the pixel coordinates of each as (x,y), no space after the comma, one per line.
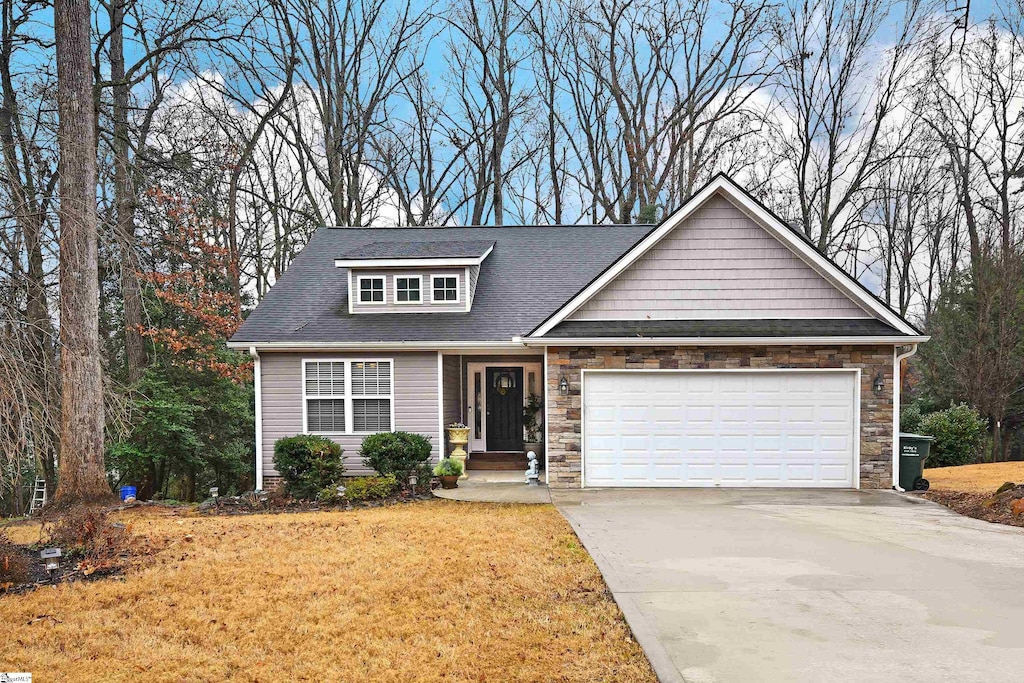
(38,496)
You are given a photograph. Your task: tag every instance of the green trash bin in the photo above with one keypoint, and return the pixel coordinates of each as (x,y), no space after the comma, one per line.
(913,453)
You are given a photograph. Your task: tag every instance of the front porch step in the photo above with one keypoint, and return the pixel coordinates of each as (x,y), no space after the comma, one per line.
(497,461)
(472,464)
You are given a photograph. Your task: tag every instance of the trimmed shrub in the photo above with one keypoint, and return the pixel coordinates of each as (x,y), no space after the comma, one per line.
(959,433)
(396,453)
(448,468)
(328,495)
(910,418)
(370,488)
(308,464)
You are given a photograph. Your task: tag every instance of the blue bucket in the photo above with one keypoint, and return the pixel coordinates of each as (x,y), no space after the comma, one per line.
(127,492)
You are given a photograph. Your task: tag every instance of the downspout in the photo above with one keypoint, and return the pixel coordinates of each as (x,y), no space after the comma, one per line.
(896,385)
(258,382)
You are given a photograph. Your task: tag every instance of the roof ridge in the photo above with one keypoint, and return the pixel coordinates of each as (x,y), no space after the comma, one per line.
(487,227)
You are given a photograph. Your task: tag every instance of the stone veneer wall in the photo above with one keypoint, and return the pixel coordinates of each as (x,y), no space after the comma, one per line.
(876,412)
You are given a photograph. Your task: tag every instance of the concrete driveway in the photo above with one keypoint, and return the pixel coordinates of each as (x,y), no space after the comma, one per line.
(755,585)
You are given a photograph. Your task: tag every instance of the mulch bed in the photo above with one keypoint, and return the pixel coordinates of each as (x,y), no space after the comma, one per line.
(248,504)
(71,570)
(990,508)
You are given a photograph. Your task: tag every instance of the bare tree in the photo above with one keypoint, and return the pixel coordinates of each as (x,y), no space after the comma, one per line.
(262,63)
(488,52)
(838,90)
(654,86)
(419,156)
(904,205)
(354,55)
(972,105)
(29,181)
(161,43)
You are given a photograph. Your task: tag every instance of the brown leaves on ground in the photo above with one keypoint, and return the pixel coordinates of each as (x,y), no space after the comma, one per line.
(92,545)
(1006,507)
(439,591)
(14,565)
(974,490)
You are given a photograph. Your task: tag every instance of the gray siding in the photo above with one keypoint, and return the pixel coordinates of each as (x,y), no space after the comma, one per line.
(452,391)
(415,391)
(718,264)
(474,275)
(389,305)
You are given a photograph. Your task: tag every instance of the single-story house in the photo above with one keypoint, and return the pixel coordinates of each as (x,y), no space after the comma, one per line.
(717,348)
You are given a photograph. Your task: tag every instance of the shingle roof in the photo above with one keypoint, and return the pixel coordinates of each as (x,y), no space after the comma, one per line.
(386,249)
(532,271)
(842,327)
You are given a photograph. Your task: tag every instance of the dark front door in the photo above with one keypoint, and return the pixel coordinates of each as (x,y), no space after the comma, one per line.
(504,409)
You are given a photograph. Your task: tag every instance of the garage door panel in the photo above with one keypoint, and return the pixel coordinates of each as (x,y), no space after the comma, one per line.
(636,443)
(798,473)
(838,472)
(730,428)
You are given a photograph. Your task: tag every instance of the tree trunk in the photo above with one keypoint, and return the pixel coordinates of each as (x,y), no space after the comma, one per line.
(124,200)
(82,474)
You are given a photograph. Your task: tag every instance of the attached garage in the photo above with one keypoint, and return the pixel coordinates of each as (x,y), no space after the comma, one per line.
(717,428)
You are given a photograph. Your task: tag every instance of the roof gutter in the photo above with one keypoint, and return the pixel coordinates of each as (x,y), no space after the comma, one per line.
(533,342)
(363,345)
(718,341)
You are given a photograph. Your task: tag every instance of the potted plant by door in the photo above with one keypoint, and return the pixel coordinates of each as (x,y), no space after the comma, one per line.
(532,425)
(448,471)
(458,437)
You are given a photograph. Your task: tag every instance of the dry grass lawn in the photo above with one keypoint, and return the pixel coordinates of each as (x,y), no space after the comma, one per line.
(439,591)
(984,478)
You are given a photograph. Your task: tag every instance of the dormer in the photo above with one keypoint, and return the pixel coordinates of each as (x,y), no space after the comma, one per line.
(414,277)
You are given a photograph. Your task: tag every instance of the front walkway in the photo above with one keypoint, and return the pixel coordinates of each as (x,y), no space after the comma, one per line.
(769,585)
(501,486)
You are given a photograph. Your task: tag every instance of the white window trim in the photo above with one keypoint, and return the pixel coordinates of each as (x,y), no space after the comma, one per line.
(348,397)
(359,290)
(400,276)
(458,288)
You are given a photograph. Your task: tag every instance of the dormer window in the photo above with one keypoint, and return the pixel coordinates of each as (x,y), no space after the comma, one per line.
(407,290)
(390,277)
(444,288)
(371,290)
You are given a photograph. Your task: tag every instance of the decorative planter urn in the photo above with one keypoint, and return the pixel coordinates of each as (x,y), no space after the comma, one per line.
(459,437)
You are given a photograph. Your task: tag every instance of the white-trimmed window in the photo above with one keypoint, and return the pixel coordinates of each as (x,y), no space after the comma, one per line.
(348,396)
(444,288)
(407,289)
(371,290)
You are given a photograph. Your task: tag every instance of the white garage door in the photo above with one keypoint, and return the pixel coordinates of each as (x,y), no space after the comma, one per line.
(720,428)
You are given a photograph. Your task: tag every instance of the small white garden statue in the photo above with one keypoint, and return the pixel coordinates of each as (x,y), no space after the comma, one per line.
(532,472)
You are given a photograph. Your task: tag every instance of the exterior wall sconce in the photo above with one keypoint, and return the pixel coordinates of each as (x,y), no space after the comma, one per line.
(563,386)
(879,384)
